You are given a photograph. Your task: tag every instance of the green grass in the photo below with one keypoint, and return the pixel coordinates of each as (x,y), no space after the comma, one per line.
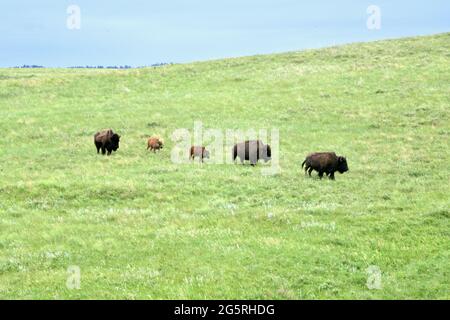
(139,226)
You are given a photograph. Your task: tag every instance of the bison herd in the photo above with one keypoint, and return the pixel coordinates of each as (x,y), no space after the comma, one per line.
(252,150)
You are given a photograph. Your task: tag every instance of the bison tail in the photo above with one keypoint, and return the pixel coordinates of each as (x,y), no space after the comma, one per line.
(303,163)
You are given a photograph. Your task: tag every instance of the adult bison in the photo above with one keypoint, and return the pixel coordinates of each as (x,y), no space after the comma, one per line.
(325,162)
(106,140)
(200,152)
(252,150)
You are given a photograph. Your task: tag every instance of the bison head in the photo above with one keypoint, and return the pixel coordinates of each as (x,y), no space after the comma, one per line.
(115,138)
(342,165)
(206,154)
(267,153)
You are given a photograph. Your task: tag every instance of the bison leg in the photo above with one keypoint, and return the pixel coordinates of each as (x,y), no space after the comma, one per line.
(331,175)
(320,174)
(310,170)
(103,150)
(98,146)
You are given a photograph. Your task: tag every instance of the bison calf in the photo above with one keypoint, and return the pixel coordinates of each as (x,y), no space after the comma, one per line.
(325,162)
(200,152)
(155,143)
(106,140)
(252,151)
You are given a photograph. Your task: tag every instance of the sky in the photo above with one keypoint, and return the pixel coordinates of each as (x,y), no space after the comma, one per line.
(144,32)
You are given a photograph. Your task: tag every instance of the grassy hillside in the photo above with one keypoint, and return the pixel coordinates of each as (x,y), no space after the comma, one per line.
(139,226)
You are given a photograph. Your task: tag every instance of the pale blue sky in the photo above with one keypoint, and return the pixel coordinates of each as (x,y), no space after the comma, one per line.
(143,32)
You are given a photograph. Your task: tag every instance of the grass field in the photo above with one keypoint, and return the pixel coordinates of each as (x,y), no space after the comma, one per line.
(141,227)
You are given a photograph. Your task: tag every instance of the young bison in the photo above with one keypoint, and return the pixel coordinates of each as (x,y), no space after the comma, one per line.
(252,151)
(106,140)
(200,152)
(155,143)
(325,162)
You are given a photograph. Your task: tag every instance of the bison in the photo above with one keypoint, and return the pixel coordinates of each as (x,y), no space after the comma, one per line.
(325,162)
(155,143)
(200,152)
(252,151)
(106,140)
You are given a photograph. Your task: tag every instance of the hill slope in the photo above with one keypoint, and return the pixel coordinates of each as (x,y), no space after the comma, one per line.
(139,226)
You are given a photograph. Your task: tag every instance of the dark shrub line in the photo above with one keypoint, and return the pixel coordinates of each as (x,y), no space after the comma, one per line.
(33,66)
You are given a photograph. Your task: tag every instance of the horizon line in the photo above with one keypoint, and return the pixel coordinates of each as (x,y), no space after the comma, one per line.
(161,64)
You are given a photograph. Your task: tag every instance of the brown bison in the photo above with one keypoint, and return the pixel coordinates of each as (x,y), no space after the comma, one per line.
(155,143)
(325,162)
(200,152)
(106,140)
(252,151)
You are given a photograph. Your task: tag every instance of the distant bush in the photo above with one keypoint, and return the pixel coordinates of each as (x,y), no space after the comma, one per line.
(29,66)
